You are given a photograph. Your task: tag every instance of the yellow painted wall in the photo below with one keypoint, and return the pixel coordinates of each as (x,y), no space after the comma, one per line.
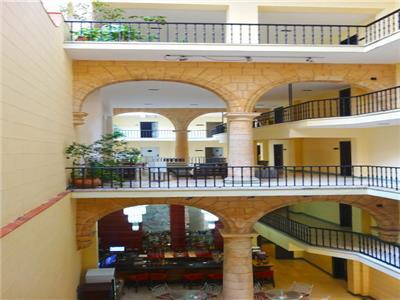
(366,281)
(374,146)
(322,261)
(39,260)
(328,211)
(321,151)
(37,108)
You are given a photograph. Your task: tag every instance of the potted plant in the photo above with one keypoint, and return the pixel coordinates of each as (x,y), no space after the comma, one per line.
(83,157)
(109,151)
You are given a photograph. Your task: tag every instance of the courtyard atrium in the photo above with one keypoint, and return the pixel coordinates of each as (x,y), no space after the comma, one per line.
(208,149)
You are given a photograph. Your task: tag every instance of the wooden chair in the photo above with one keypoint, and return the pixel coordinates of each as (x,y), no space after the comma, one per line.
(191,279)
(138,279)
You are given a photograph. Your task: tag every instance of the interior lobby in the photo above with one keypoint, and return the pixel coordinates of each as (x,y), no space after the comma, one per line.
(207,149)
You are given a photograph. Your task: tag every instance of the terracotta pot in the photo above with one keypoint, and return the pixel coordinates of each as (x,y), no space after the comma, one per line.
(86,183)
(81,38)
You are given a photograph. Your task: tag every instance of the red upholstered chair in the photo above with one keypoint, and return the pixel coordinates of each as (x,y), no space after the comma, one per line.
(157,278)
(191,279)
(138,279)
(265,277)
(215,277)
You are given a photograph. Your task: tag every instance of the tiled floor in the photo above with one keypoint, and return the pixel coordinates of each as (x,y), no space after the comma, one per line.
(286,271)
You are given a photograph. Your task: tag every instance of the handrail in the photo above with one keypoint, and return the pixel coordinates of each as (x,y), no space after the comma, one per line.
(378,101)
(235,33)
(220,175)
(369,245)
(220,128)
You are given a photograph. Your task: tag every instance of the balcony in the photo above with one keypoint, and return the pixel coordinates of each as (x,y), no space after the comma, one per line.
(235,33)
(251,42)
(375,102)
(162,134)
(336,239)
(360,179)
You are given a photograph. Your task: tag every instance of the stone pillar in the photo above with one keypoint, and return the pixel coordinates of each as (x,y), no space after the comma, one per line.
(240,138)
(238,267)
(182,144)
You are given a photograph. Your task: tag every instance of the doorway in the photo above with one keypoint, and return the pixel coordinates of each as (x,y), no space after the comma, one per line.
(345,158)
(345,215)
(214,154)
(278,155)
(339,268)
(148,129)
(345,102)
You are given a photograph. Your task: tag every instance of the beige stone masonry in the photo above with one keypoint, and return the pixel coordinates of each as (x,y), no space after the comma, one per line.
(238,267)
(240,85)
(238,214)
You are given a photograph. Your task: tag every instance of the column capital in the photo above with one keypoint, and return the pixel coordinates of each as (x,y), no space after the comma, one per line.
(78,117)
(226,234)
(241,116)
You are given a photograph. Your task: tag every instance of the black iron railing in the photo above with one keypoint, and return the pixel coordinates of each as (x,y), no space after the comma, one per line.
(219,175)
(221,128)
(383,100)
(234,33)
(368,245)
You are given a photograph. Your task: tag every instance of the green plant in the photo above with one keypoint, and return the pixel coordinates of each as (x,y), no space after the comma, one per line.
(80,154)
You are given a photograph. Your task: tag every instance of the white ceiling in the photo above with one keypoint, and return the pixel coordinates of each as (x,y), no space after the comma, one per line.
(139,94)
(279,96)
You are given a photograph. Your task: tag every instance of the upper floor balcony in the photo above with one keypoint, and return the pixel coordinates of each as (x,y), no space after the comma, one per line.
(379,106)
(163,134)
(182,41)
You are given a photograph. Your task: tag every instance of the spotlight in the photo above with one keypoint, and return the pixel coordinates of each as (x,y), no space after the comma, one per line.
(248,59)
(309,59)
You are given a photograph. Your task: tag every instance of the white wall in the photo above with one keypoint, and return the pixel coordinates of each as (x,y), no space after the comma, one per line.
(95,123)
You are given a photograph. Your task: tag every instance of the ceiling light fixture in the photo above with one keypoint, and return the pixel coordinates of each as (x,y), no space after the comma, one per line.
(307,90)
(153,90)
(148,104)
(309,59)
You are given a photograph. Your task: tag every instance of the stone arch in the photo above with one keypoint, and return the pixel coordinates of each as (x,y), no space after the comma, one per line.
(180,117)
(327,73)
(85,85)
(384,211)
(240,85)
(89,211)
(237,213)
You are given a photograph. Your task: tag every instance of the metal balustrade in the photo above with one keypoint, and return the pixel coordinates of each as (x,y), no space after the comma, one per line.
(221,128)
(161,134)
(379,101)
(234,33)
(369,245)
(219,175)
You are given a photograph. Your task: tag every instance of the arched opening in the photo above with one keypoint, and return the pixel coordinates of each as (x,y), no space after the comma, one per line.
(304,101)
(164,244)
(153,134)
(204,147)
(177,103)
(321,239)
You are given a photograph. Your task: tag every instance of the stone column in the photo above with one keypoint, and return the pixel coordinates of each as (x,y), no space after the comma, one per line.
(182,144)
(177,227)
(240,139)
(238,267)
